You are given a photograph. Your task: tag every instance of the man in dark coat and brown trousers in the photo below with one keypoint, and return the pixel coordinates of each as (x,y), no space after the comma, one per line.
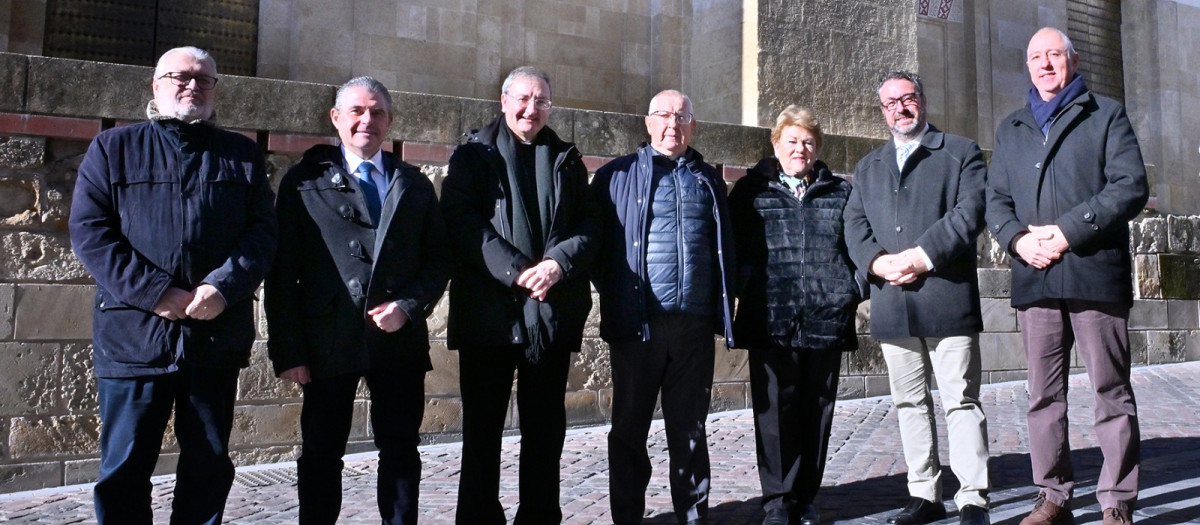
(362,261)
(1067,177)
(912,220)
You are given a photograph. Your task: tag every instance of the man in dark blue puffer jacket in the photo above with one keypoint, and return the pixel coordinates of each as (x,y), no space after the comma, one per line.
(665,281)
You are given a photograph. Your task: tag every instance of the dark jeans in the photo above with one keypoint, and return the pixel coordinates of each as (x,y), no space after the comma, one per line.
(678,360)
(397,406)
(794,391)
(486,377)
(134,413)
(1100,335)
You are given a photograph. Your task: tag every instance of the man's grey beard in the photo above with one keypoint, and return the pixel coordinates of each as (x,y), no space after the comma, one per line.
(911,133)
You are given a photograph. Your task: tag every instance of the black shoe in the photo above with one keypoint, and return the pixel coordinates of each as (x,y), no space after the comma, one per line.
(918,512)
(806,515)
(776,517)
(973,515)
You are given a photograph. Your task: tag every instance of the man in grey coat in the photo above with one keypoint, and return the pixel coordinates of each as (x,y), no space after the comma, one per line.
(912,220)
(1067,177)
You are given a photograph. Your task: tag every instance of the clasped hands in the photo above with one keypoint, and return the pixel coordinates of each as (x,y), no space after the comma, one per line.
(203,303)
(1041,246)
(539,278)
(899,268)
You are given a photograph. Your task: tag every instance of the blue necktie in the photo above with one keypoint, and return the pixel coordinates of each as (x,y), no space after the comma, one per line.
(904,152)
(370,191)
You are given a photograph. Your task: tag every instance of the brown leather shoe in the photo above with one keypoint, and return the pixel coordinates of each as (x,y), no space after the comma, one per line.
(1115,516)
(1046,512)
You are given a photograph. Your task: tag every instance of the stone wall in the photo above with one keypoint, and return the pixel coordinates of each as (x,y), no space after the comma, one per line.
(50,109)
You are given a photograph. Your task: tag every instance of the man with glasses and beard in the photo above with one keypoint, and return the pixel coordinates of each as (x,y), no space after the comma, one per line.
(912,220)
(174,219)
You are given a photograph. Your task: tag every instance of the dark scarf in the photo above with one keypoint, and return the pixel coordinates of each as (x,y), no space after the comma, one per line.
(1044,111)
(530,223)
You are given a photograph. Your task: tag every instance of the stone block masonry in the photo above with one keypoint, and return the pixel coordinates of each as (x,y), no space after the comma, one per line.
(48,422)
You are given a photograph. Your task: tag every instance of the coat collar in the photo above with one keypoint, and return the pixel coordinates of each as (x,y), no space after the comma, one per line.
(934,139)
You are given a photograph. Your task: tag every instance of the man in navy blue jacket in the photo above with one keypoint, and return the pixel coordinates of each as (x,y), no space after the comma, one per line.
(665,279)
(173,218)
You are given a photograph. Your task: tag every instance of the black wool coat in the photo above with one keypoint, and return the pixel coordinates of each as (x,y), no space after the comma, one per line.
(1087,177)
(797,286)
(486,306)
(936,203)
(333,266)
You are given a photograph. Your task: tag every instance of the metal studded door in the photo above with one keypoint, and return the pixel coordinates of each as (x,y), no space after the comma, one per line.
(138,31)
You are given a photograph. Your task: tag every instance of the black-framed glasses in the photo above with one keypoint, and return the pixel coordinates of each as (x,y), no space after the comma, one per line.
(680,118)
(539,103)
(906,100)
(203,82)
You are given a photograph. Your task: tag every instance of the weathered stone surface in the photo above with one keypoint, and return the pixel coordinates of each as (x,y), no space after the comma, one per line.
(1183,233)
(13,72)
(878,385)
(732,365)
(443,379)
(732,145)
(583,408)
(1148,314)
(1148,235)
(423,118)
(8,294)
(26,256)
(80,471)
(265,425)
(22,152)
(437,319)
(29,378)
(258,103)
(1147,281)
(1004,376)
(729,396)
(436,175)
(591,368)
(55,85)
(477,113)
(442,415)
(1166,346)
(995,282)
(862,318)
(1183,315)
(591,327)
(54,436)
(1139,348)
(608,134)
(54,311)
(998,315)
(258,381)
(18,201)
(853,387)
(263,455)
(1193,346)
(30,476)
(78,381)
(1177,276)
(1002,351)
(868,359)
(991,254)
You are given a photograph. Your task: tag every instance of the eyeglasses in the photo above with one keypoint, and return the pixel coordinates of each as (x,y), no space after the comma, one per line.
(539,103)
(891,104)
(680,118)
(203,82)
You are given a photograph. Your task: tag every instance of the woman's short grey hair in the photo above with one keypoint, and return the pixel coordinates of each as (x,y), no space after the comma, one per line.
(527,72)
(372,86)
(200,55)
(902,75)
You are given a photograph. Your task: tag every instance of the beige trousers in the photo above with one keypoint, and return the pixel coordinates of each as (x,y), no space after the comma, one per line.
(955,362)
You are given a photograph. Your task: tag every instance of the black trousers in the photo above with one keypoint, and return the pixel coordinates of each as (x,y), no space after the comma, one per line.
(793,390)
(486,378)
(678,361)
(397,406)
(134,413)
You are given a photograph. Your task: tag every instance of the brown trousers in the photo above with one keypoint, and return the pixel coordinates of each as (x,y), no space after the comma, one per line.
(1099,332)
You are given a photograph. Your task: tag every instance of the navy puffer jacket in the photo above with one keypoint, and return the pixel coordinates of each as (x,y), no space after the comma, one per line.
(680,249)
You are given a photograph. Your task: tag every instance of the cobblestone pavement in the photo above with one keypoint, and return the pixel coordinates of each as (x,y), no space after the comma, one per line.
(864,481)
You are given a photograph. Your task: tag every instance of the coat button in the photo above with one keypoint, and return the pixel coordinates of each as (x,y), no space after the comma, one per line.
(1087,215)
(899,228)
(1038,165)
(354,245)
